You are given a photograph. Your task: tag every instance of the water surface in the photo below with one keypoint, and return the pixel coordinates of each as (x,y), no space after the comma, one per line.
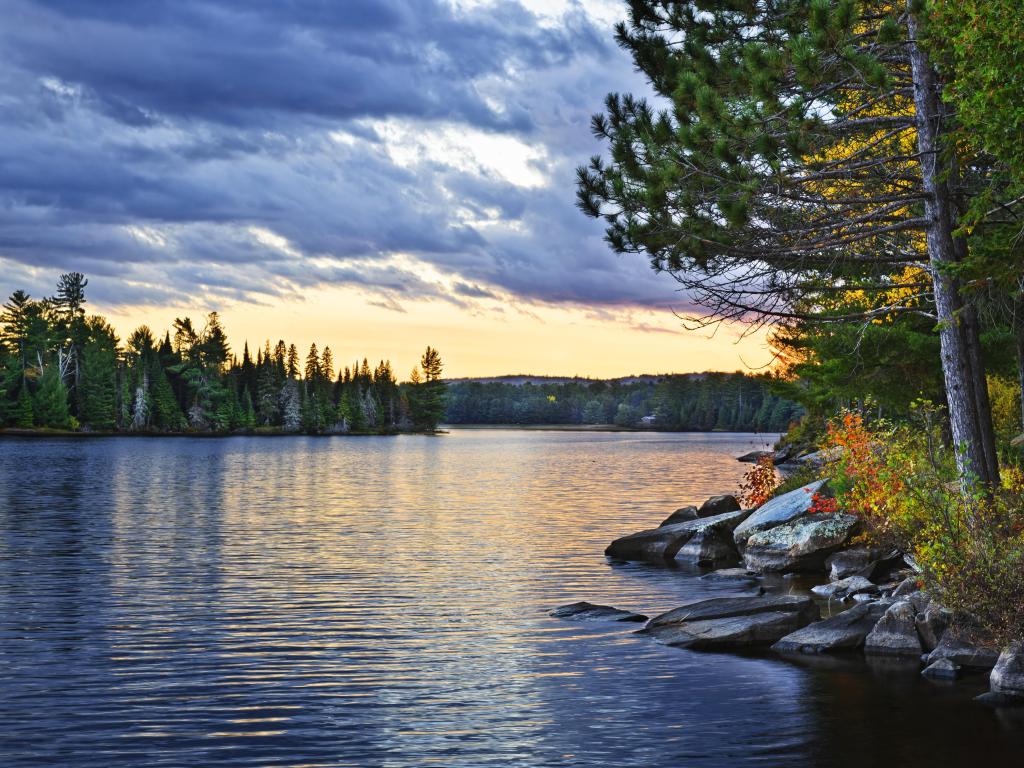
(381,602)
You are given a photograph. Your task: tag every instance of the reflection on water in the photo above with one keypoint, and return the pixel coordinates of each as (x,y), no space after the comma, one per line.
(315,602)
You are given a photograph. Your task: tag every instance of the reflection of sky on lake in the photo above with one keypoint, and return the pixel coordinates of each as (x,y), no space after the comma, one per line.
(299,601)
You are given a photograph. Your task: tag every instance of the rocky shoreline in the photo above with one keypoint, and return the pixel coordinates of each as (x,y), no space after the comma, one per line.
(868,601)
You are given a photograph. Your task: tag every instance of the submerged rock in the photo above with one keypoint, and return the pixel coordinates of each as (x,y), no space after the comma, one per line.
(895,634)
(1007,678)
(800,545)
(961,643)
(727,622)
(584,610)
(665,543)
(848,587)
(842,632)
(681,515)
(943,669)
(718,505)
(782,509)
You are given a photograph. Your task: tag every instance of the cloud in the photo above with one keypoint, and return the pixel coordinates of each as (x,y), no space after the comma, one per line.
(246,150)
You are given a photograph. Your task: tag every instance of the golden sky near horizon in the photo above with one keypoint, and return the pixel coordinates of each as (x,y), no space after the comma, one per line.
(487,338)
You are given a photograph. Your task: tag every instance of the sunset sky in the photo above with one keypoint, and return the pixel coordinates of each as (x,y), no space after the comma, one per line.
(375,175)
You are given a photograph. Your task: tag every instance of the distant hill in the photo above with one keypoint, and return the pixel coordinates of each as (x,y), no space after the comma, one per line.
(518,379)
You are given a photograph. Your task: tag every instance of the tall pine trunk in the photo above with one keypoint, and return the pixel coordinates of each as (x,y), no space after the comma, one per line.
(974,448)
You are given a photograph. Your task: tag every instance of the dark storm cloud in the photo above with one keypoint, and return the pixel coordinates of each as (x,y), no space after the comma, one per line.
(250,149)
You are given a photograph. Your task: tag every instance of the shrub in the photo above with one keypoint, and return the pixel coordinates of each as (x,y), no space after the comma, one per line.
(759,483)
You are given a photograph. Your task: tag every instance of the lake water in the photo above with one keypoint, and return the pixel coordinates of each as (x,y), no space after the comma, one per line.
(382,602)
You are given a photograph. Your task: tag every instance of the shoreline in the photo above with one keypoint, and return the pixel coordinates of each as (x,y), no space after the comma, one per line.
(41,433)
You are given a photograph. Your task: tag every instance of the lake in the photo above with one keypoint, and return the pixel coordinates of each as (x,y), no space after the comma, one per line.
(304,601)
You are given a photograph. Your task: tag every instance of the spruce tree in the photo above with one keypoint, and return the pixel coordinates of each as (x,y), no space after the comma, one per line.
(50,405)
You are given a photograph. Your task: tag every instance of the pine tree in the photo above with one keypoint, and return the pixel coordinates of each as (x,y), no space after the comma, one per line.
(802,153)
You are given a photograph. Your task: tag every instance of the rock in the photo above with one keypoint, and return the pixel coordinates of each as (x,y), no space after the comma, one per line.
(801,545)
(932,624)
(1007,676)
(848,587)
(943,669)
(681,515)
(754,456)
(960,644)
(907,587)
(712,542)
(664,543)
(851,562)
(782,509)
(727,622)
(820,458)
(863,597)
(585,610)
(718,505)
(895,634)
(844,631)
(723,574)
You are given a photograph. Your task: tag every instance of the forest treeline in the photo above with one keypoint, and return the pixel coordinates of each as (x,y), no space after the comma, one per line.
(61,368)
(732,402)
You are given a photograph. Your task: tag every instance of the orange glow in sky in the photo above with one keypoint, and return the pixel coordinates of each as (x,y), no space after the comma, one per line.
(486,338)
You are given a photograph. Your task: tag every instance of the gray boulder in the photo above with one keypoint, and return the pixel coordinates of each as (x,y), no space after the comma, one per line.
(844,588)
(943,669)
(906,588)
(1007,676)
(729,622)
(844,631)
(584,610)
(718,505)
(754,456)
(782,509)
(665,543)
(932,624)
(712,542)
(961,643)
(681,515)
(895,634)
(800,545)
(851,562)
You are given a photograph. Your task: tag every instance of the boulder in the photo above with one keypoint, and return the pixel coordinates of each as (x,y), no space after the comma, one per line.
(585,610)
(844,588)
(782,509)
(1007,676)
(681,515)
(943,669)
(851,562)
(800,545)
(724,574)
(961,644)
(718,505)
(844,631)
(754,456)
(906,588)
(932,624)
(729,622)
(819,459)
(895,634)
(664,543)
(712,542)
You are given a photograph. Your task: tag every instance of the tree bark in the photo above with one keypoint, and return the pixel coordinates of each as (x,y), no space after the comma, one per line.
(972,455)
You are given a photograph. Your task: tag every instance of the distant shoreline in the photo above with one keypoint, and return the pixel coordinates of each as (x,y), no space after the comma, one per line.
(62,433)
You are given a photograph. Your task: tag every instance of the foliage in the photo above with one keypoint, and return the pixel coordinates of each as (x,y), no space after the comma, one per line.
(759,483)
(733,402)
(62,369)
